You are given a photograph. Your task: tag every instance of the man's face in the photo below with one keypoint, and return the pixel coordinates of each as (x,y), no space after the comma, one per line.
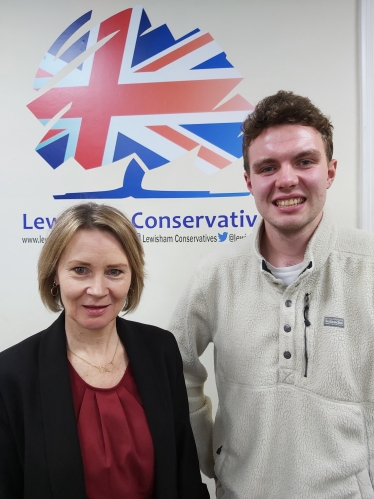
(289,176)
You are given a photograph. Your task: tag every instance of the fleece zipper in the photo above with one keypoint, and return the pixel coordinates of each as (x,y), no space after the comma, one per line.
(306,324)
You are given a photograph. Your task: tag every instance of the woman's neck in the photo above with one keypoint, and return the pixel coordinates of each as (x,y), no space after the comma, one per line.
(93,342)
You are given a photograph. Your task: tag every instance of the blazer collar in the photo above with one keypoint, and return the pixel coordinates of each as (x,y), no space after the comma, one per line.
(59,422)
(152,394)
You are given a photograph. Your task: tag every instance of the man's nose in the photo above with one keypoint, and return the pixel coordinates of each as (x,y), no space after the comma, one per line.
(286,177)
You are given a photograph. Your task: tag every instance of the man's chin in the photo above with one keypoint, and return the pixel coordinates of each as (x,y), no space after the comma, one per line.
(293,225)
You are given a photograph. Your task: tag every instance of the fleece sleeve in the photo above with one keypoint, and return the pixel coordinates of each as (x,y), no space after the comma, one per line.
(191,326)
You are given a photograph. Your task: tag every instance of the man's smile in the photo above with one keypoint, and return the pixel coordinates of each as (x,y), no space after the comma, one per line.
(289,202)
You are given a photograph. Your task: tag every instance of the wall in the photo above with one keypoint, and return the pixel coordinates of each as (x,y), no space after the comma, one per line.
(307,47)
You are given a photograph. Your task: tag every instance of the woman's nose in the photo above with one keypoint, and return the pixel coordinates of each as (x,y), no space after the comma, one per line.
(97,286)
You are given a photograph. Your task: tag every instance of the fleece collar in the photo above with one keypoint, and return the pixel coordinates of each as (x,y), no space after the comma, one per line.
(319,247)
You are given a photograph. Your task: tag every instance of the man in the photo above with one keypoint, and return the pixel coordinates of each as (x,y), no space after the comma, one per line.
(290,311)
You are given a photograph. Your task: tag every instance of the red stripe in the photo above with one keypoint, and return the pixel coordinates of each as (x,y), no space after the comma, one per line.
(213,158)
(177,54)
(174,136)
(98,102)
(41,73)
(237,103)
(92,103)
(52,133)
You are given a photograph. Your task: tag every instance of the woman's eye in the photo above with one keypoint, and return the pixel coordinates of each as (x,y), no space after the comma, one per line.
(79,270)
(114,272)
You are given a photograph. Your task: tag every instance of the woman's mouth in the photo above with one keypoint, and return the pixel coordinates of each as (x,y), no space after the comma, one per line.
(95,309)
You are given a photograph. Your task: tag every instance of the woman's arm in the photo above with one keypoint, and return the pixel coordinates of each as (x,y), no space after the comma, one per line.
(189,477)
(11,475)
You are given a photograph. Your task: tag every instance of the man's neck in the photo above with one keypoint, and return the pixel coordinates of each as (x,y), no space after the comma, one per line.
(285,248)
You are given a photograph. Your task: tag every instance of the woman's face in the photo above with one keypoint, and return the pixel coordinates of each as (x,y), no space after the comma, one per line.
(94,276)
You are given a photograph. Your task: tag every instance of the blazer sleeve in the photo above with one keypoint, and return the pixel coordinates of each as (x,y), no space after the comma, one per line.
(191,327)
(11,475)
(189,477)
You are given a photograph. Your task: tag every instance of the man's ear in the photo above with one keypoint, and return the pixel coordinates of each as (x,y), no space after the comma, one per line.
(248,181)
(331,172)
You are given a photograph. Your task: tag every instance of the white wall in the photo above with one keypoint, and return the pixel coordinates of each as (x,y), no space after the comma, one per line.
(309,47)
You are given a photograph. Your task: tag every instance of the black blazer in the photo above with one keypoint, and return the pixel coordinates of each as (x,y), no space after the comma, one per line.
(40,455)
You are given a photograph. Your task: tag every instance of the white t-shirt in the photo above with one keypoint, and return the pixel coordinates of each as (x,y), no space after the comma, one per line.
(287,274)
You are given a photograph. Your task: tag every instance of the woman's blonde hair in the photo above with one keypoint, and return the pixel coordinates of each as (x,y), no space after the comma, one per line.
(90,216)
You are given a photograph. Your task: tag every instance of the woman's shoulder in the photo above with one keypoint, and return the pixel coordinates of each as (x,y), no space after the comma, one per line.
(152,335)
(24,347)
(23,355)
(18,356)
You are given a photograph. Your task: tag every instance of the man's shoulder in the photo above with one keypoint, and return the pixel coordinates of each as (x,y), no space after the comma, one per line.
(355,242)
(241,250)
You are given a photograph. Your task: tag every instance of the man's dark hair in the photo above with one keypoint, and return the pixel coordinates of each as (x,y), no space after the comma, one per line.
(281,109)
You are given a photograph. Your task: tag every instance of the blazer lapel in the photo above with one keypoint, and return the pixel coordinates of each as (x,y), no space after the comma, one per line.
(59,423)
(159,415)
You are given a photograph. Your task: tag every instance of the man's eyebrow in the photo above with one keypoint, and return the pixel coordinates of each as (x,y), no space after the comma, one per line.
(308,152)
(315,153)
(264,161)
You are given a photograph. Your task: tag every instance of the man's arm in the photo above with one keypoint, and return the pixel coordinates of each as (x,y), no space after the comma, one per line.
(191,326)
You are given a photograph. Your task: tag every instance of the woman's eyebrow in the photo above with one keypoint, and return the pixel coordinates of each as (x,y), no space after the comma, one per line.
(79,262)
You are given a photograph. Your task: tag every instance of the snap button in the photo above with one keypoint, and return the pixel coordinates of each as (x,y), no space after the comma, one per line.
(287,328)
(287,355)
(288,303)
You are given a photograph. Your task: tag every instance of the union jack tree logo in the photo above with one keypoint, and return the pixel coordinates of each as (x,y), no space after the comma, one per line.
(125,89)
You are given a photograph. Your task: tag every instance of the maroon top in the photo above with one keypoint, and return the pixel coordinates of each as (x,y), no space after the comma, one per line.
(115,441)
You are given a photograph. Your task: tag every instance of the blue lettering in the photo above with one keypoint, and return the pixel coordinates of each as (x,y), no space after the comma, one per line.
(233,217)
(151,219)
(167,221)
(188,220)
(198,218)
(39,223)
(176,222)
(50,223)
(25,226)
(251,222)
(241,218)
(210,222)
(133,220)
(224,222)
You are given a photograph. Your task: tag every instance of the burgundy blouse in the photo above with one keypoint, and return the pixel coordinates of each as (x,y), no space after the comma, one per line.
(115,441)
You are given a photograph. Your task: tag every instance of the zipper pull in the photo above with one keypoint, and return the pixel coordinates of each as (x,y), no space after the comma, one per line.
(306,324)
(306,309)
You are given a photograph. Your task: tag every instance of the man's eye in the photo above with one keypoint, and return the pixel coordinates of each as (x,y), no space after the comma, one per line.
(80,270)
(267,169)
(305,162)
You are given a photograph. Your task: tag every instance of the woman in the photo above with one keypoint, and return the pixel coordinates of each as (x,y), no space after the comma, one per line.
(95,406)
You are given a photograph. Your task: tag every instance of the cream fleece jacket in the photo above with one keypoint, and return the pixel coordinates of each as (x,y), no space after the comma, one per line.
(279,434)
